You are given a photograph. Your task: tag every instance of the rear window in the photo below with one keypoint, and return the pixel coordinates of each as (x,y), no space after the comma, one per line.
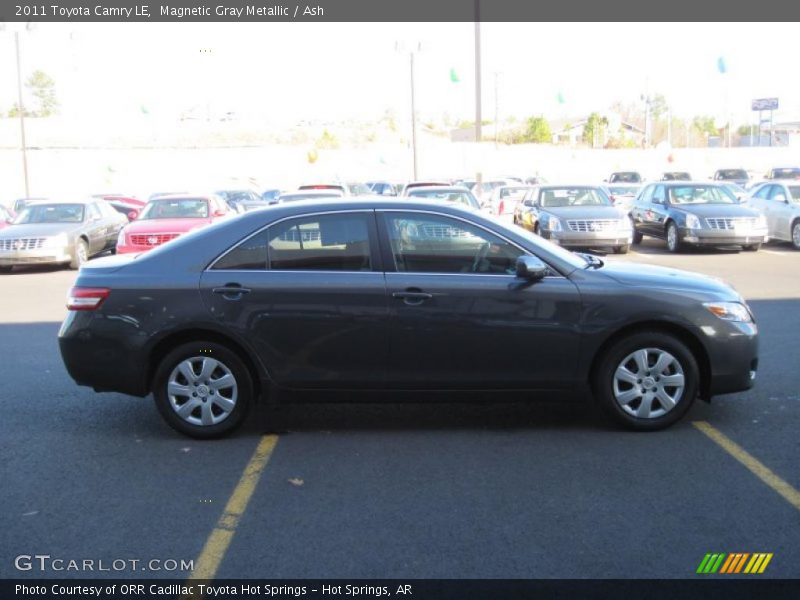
(625,177)
(732,174)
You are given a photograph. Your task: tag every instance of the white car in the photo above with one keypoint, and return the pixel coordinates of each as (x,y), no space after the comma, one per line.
(504,199)
(779,202)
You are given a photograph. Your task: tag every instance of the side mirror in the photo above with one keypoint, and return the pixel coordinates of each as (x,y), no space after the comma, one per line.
(531,268)
(220,213)
(132,214)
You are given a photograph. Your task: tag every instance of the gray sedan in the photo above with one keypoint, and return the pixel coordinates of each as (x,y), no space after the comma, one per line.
(579,216)
(59,232)
(779,202)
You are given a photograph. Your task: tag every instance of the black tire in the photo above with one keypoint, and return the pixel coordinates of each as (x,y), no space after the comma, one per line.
(795,231)
(752,247)
(6,269)
(676,245)
(197,351)
(80,254)
(637,237)
(622,249)
(603,380)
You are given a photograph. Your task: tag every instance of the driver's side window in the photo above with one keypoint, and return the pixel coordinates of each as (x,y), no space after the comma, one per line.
(427,243)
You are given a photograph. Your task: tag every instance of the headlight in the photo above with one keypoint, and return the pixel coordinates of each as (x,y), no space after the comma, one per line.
(554,224)
(692,222)
(730,311)
(56,241)
(121,237)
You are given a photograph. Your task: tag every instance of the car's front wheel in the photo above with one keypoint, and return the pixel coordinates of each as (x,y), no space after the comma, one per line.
(647,381)
(796,234)
(203,389)
(80,254)
(673,241)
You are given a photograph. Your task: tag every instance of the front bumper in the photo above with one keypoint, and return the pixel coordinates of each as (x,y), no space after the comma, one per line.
(733,356)
(719,237)
(40,256)
(582,239)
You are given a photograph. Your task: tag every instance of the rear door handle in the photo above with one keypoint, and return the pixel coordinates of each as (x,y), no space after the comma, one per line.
(412,298)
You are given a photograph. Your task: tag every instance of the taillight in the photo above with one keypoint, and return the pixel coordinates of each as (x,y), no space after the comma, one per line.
(81,298)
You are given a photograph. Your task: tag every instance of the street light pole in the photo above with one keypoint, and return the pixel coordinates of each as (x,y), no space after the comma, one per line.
(21,117)
(478,118)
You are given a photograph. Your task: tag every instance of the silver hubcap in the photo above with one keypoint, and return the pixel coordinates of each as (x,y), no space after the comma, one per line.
(81,253)
(796,235)
(648,383)
(202,391)
(672,238)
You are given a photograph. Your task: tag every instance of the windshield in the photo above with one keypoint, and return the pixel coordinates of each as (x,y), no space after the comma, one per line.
(51,213)
(462,197)
(573,197)
(358,189)
(176,208)
(627,177)
(732,174)
(791,173)
(700,194)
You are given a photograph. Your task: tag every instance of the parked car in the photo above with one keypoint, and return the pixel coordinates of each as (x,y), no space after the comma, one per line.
(21,203)
(385,188)
(505,198)
(697,214)
(270,195)
(357,188)
(624,177)
(169,217)
(126,205)
(441,193)
(738,191)
(779,202)
(622,195)
(737,176)
(525,213)
(308,195)
(238,200)
(579,216)
(384,294)
(347,189)
(59,232)
(676,176)
(784,173)
(415,184)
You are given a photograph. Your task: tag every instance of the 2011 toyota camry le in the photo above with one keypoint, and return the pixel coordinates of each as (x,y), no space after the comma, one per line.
(377,294)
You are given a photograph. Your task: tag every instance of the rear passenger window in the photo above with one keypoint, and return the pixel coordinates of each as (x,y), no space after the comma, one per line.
(249,255)
(336,242)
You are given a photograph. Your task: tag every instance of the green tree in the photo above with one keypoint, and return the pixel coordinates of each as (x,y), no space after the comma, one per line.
(538,131)
(594,129)
(42,88)
(705,125)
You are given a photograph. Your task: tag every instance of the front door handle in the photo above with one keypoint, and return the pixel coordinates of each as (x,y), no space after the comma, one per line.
(231,291)
(412,298)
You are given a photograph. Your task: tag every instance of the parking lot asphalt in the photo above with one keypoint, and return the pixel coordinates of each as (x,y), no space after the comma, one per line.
(497,489)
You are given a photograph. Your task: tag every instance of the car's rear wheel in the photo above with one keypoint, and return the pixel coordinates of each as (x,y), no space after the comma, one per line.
(673,241)
(647,381)
(5,269)
(752,247)
(796,234)
(80,254)
(637,237)
(203,389)
(622,249)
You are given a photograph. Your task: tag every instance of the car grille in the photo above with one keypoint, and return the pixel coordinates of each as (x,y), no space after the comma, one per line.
(152,239)
(591,225)
(731,222)
(22,244)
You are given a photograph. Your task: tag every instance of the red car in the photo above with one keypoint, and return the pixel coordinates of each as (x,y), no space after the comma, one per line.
(168,217)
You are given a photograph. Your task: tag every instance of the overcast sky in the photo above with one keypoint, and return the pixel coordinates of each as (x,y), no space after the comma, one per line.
(330,71)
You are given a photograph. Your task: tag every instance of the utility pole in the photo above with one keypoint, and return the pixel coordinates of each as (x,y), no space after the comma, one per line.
(21,117)
(478,117)
(413,117)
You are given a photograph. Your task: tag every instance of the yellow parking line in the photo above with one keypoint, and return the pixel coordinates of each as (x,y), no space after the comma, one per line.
(756,467)
(206,565)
